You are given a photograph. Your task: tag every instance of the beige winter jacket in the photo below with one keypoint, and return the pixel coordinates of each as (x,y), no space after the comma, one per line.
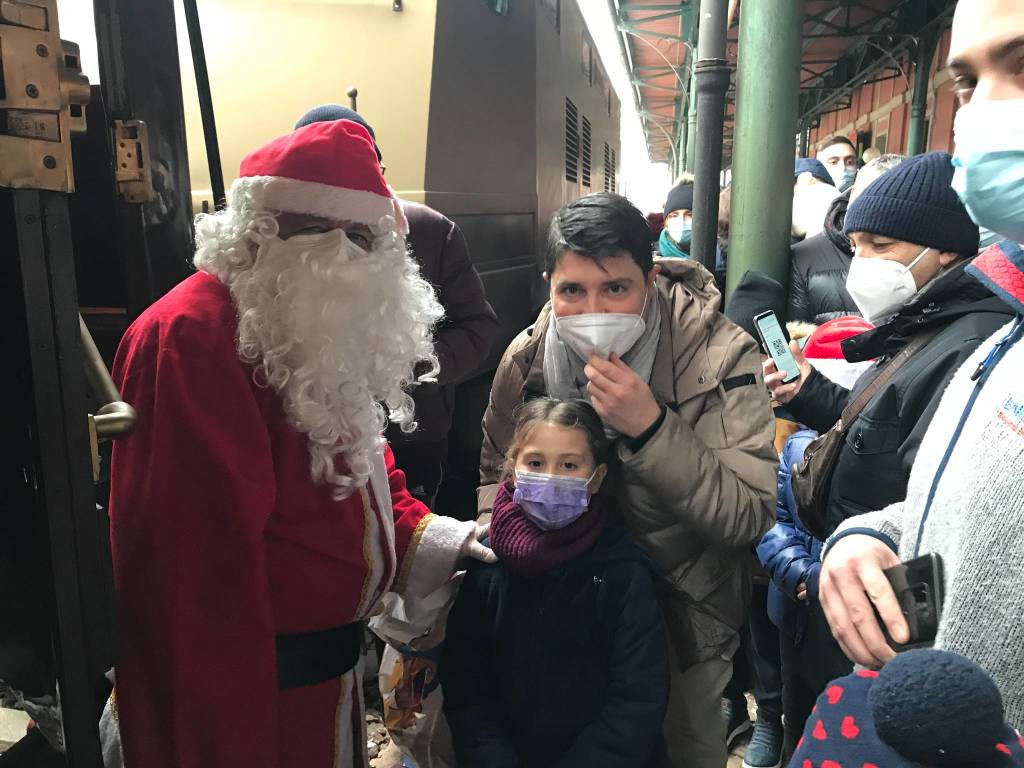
(701,491)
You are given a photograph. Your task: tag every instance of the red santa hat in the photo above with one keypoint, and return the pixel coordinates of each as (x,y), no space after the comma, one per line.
(327,169)
(824,350)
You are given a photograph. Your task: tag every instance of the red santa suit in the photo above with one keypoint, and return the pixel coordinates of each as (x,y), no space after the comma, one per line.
(223,544)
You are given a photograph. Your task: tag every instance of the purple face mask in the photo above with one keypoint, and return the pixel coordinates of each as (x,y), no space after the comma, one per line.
(552,501)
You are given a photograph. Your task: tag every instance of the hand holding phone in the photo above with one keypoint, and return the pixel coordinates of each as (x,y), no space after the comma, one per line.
(774,342)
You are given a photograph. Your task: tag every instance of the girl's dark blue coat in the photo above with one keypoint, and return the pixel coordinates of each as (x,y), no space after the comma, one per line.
(569,670)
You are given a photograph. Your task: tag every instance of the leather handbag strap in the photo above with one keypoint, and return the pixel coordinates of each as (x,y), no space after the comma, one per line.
(852,411)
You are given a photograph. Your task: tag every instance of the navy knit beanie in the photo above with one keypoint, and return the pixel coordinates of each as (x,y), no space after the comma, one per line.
(326,113)
(915,203)
(813,166)
(925,708)
(680,198)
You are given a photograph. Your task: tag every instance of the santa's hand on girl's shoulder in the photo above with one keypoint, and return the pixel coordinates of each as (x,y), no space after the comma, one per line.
(474,549)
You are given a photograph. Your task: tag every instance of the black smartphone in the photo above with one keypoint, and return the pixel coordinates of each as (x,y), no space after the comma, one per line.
(773,341)
(919,586)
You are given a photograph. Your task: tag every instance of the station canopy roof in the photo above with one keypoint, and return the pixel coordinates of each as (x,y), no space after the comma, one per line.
(846,43)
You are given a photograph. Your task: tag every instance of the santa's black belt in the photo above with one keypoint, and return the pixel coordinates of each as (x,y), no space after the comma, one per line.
(309,658)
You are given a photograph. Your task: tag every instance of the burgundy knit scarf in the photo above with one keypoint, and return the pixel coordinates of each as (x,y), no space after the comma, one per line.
(530,551)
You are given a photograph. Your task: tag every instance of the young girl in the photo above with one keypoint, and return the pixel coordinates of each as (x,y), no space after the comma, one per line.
(556,655)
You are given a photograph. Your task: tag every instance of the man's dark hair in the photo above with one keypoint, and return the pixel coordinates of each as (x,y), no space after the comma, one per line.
(838,140)
(598,226)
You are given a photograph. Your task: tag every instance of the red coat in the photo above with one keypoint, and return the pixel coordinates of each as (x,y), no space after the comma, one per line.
(221,541)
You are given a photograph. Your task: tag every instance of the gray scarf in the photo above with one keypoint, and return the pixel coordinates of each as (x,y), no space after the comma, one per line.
(564,378)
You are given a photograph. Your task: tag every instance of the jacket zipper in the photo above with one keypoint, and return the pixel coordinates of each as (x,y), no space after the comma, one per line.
(980,376)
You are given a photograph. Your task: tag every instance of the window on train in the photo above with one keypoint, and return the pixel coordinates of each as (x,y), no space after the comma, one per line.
(572,142)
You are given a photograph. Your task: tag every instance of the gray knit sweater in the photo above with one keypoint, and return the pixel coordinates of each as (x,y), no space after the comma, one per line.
(976,521)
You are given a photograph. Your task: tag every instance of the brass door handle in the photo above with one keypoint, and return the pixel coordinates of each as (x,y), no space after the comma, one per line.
(115,418)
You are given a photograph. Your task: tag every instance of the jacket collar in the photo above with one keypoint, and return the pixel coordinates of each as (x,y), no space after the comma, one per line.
(834,223)
(1000,267)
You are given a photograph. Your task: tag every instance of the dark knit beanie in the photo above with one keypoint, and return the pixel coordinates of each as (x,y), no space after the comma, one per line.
(326,113)
(925,708)
(814,167)
(915,203)
(756,293)
(680,198)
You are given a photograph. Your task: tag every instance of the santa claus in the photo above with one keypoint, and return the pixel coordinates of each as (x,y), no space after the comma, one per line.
(256,514)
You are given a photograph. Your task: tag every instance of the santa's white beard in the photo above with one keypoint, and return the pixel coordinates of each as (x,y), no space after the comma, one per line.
(336,331)
(811,202)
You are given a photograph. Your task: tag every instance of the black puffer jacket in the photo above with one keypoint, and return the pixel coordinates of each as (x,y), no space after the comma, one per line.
(818,267)
(881,444)
(566,671)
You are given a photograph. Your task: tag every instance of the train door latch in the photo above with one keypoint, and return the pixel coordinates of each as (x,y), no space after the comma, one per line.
(134,174)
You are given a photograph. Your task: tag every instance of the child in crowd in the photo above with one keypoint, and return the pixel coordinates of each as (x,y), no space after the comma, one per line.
(792,556)
(556,655)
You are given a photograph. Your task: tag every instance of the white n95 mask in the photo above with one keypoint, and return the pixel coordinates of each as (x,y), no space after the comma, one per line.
(881,287)
(600,333)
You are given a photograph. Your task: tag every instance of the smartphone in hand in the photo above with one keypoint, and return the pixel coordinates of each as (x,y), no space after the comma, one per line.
(919,587)
(773,340)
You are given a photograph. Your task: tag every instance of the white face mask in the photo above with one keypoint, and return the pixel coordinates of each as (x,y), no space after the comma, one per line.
(601,333)
(881,287)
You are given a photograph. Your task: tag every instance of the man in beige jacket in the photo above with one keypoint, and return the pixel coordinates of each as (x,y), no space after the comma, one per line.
(679,389)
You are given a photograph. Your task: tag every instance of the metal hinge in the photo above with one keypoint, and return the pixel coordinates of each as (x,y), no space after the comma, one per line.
(43,95)
(134,178)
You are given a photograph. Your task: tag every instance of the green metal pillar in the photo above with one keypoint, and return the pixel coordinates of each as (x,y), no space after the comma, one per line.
(768,81)
(926,44)
(691,117)
(684,129)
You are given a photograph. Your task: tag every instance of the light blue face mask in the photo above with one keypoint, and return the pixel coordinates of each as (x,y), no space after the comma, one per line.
(846,181)
(989,162)
(987,237)
(680,229)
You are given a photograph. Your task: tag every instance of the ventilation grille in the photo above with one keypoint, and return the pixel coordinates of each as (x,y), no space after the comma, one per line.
(585,156)
(572,142)
(615,164)
(609,170)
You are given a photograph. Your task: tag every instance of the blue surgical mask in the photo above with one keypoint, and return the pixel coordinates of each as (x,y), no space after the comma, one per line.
(846,180)
(680,229)
(987,237)
(552,501)
(989,162)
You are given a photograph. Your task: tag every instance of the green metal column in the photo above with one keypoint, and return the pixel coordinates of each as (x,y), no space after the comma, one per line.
(684,130)
(691,117)
(926,44)
(768,80)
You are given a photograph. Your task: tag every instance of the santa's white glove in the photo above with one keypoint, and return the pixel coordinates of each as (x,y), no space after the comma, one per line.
(474,549)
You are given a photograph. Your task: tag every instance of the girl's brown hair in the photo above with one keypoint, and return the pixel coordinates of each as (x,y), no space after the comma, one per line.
(574,414)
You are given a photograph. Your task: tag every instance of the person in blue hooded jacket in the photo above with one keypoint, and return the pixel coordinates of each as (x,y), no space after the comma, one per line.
(792,556)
